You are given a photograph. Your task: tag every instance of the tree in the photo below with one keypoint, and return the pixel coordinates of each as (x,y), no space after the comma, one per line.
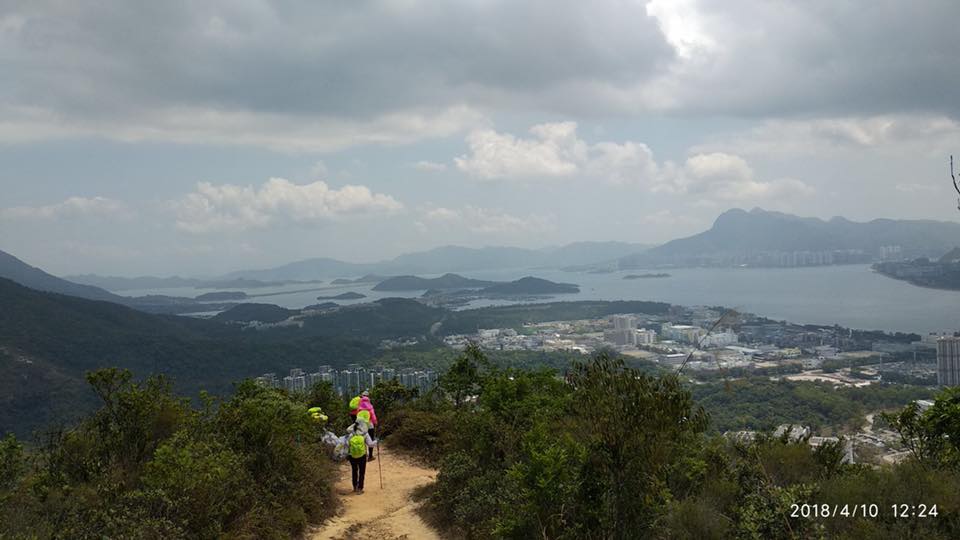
(387,395)
(463,380)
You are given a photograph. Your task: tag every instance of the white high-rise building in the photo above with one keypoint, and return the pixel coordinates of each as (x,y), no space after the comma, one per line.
(948,361)
(646,337)
(623,322)
(682,332)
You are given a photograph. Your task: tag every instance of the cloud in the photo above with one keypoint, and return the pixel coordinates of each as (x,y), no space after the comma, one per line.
(229,72)
(555,150)
(429,166)
(817,58)
(274,131)
(907,134)
(485,221)
(228,207)
(730,178)
(668,218)
(909,187)
(71,208)
(318,76)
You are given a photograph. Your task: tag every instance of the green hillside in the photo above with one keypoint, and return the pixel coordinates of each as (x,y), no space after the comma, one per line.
(49,341)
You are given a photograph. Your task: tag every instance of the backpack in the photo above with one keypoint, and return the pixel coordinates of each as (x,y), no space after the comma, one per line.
(358,446)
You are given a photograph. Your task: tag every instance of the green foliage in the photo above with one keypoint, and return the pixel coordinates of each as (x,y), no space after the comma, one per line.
(610,452)
(762,404)
(467,321)
(534,455)
(12,461)
(334,406)
(462,379)
(205,482)
(147,465)
(932,436)
(387,396)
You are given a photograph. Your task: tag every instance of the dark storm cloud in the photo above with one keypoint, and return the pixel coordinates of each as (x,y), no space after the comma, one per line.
(326,75)
(355,59)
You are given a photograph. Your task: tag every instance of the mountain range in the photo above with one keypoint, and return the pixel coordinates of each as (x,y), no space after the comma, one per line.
(16,270)
(24,274)
(735,237)
(117,283)
(449,259)
(739,233)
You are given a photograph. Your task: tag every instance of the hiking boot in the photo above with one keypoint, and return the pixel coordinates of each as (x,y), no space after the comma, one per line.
(371,459)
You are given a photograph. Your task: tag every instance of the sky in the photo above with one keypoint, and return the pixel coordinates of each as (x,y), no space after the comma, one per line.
(197,138)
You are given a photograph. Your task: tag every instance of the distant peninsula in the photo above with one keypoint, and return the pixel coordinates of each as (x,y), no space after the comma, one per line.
(646,276)
(369,278)
(940,274)
(446,281)
(115,283)
(221,296)
(245,313)
(344,296)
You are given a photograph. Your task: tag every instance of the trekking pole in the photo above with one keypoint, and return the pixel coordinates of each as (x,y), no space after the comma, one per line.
(380,464)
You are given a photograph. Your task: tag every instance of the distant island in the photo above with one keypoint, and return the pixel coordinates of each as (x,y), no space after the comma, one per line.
(221,296)
(446,281)
(344,296)
(459,286)
(531,285)
(525,289)
(646,276)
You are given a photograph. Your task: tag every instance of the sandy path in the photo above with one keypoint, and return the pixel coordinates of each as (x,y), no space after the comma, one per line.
(380,514)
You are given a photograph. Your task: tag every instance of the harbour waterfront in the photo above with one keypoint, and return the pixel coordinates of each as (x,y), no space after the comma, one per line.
(852,295)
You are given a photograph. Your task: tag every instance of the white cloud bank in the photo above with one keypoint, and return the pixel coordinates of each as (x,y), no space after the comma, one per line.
(229,207)
(555,151)
(274,131)
(485,220)
(71,208)
(903,134)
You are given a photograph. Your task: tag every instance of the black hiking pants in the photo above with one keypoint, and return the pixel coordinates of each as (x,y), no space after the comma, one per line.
(373,435)
(358,469)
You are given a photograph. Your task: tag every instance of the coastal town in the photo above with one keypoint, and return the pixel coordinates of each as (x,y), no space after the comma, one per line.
(709,343)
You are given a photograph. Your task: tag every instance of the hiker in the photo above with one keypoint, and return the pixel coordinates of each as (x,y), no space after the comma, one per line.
(358,440)
(365,405)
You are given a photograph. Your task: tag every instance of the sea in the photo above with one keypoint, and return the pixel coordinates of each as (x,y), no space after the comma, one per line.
(852,296)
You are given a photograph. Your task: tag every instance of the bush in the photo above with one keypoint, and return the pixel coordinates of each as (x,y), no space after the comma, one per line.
(147,465)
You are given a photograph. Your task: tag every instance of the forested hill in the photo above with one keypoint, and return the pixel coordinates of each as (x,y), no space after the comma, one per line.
(48,341)
(14,269)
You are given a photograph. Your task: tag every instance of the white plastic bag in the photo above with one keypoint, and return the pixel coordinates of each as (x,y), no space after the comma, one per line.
(342,447)
(329,439)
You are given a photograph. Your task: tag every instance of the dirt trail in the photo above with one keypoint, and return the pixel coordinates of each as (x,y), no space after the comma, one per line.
(380,514)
